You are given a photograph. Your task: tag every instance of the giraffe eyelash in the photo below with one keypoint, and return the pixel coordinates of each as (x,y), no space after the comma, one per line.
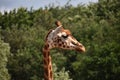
(65,36)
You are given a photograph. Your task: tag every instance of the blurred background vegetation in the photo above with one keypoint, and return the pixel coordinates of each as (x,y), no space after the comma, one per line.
(96,26)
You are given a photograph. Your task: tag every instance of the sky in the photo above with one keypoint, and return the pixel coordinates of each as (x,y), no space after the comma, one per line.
(7,5)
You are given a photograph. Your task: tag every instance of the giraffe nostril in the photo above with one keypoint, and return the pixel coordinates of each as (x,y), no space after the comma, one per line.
(74,43)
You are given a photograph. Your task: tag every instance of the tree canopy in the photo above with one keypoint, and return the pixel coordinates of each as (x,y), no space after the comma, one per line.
(96,25)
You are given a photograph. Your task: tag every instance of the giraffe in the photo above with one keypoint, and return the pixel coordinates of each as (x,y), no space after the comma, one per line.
(58,38)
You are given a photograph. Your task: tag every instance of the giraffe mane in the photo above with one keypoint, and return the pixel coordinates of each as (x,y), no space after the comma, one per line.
(48,34)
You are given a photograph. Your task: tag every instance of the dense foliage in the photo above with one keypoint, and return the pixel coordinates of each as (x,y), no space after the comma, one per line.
(4,53)
(96,25)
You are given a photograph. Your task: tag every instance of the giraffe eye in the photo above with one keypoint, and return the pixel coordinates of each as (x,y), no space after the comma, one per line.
(64,36)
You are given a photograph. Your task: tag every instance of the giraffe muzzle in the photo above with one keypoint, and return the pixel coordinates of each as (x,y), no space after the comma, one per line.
(80,48)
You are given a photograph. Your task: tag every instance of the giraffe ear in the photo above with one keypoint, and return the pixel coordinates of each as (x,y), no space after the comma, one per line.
(67,32)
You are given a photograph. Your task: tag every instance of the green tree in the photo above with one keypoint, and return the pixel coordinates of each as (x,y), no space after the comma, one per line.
(4,53)
(60,75)
(96,26)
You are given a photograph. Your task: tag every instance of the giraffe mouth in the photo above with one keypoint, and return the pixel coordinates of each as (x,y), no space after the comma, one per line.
(80,49)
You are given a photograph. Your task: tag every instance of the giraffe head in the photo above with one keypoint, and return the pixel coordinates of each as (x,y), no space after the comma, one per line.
(62,38)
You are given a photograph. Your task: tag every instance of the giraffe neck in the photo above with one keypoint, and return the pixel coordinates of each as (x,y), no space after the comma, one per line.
(47,63)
